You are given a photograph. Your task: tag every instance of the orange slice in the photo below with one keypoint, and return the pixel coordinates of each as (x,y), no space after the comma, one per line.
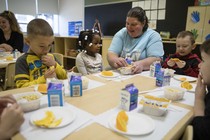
(186,85)
(121,121)
(107,73)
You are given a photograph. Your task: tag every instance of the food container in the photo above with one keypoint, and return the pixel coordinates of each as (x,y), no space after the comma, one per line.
(169,72)
(85,82)
(174,93)
(29,101)
(126,70)
(154,105)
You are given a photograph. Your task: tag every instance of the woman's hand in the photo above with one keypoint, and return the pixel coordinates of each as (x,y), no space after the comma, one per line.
(137,67)
(170,63)
(6,47)
(10,121)
(48,60)
(120,62)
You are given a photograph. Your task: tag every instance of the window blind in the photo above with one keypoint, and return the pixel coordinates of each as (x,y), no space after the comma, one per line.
(48,6)
(2,5)
(26,7)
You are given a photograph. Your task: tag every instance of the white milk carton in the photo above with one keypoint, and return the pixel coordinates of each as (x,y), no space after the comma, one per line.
(129,97)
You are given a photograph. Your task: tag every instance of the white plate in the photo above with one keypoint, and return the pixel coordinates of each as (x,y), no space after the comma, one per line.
(138,124)
(193,89)
(188,78)
(60,112)
(7,61)
(115,74)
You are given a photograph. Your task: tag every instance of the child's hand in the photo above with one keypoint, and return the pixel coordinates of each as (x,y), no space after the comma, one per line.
(180,64)
(5,100)
(48,60)
(200,89)
(50,73)
(170,63)
(11,120)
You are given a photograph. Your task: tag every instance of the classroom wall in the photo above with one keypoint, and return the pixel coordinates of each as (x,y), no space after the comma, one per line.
(112,16)
(102,2)
(70,10)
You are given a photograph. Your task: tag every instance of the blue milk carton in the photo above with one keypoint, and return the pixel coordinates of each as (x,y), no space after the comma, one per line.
(163,78)
(75,86)
(55,94)
(129,97)
(157,67)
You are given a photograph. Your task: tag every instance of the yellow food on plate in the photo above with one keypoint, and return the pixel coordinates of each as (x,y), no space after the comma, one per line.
(42,88)
(107,73)
(121,121)
(48,121)
(183,79)
(9,58)
(186,85)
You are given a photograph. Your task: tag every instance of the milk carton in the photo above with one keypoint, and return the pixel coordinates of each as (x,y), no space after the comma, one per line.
(75,86)
(129,97)
(128,59)
(55,94)
(163,78)
(155,68)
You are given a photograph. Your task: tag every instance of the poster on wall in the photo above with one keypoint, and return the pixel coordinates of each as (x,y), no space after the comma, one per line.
(74,28)
(202,2)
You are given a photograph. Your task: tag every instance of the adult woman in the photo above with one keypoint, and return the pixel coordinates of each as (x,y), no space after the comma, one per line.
(11,37)
(137,41)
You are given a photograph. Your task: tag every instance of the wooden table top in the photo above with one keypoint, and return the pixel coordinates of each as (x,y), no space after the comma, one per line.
(106,97)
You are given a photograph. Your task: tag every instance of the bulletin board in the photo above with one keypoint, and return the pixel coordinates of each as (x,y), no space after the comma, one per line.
(112,17)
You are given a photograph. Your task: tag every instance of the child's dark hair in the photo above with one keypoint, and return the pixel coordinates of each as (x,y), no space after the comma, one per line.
(183,34)
(39,27)
(85,38)
(205,46)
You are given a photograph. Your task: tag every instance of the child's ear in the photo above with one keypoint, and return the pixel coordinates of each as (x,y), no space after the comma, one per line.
(193,46)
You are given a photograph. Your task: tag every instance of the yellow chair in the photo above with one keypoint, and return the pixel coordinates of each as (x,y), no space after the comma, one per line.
(9,76)
(59,57)
(188,134)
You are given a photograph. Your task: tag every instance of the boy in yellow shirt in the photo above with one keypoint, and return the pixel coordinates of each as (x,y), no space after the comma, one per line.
(37,64)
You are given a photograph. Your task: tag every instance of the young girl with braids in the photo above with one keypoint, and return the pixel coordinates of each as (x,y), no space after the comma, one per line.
(89,60)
